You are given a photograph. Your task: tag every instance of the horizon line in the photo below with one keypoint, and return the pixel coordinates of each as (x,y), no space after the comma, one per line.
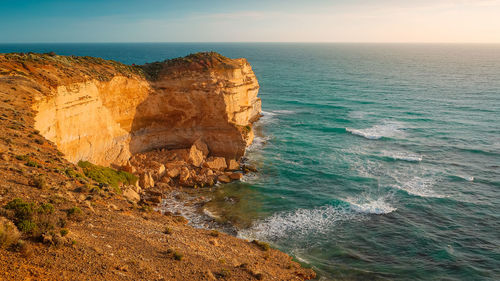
(260,42)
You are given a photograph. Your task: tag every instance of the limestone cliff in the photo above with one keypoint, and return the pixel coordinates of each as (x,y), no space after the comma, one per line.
(103,112)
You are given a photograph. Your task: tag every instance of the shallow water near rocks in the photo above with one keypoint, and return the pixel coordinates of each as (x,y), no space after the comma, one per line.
(375,161)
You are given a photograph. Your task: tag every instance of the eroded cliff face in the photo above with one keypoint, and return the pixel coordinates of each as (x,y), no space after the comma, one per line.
(104,112)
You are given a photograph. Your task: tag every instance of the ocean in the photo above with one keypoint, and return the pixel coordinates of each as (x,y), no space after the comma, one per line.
(376,161)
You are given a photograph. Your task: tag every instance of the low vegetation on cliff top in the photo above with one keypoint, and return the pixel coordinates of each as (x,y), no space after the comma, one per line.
(107,176)
(196,61)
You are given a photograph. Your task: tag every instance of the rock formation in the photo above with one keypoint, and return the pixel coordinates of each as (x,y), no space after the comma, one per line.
(104,112)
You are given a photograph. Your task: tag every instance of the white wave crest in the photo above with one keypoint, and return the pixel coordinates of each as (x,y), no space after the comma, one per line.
(405,156)
(266,117)
(420,187)
(258,143)
(283,111)
(388,129)
(300,222)
(377,207)
(466,177)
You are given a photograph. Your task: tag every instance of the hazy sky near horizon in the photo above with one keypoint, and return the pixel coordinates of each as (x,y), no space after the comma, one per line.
(475,21)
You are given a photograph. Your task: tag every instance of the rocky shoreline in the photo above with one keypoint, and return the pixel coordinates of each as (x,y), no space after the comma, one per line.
(66,215)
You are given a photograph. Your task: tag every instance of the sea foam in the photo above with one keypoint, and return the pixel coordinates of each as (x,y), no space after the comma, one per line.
(404,156)
(421,187)
(387,129)
(377,207)
(301,222)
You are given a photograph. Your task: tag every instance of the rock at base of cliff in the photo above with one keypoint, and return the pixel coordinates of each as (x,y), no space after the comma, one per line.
(216,163)
(131,195)
(197,153)
(224,179)
(232,165)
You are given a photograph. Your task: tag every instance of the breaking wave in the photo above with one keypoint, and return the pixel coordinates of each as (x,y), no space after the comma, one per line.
(301,222)
(377,207)
(404,156)
(421,187)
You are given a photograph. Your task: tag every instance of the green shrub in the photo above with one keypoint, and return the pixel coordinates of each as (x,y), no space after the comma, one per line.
(31,163)
(178,256)
(30,218)
(75,214)
(64,232)
(39,182)
(107,176)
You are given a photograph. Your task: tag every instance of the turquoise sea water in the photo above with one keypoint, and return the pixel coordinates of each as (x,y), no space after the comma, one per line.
(376,161)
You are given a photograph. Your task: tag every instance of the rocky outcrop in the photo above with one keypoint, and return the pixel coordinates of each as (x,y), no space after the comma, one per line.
(104,112)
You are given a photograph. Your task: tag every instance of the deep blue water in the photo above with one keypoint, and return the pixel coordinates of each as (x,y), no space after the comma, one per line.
(377,161)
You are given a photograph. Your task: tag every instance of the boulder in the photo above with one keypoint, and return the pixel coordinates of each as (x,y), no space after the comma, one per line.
(200,145)
(206,171)
(184,177)
(131,195)
(224,179)
(232,164)
(161,170)
(128,167)
(236,176)
(146,180)
(173,172)
(216,163)
(196,156)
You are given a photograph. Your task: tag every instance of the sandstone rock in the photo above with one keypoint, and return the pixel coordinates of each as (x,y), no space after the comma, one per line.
(216,163)
(206,171)
(185,177)
(173,172)
(249,168)
(202,146)
(161,170)
(146,180)
(224,179)
(196,156)
(232,165)
(128,167)
(131,195)
(236,176)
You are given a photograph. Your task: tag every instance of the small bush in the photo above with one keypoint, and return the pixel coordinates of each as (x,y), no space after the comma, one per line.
(9,234)
(167,230)
(32,219)
(22,157)
(75,214)
(105,175)
(39,182)
(224,273)
(31,163)
(64,232)
(178,256)
(72,173)
(262,245)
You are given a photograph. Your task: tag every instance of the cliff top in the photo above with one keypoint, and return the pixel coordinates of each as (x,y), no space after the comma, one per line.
(198,62)
(78,68)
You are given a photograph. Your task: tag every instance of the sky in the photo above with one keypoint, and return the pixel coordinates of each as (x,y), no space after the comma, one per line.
(435,21)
